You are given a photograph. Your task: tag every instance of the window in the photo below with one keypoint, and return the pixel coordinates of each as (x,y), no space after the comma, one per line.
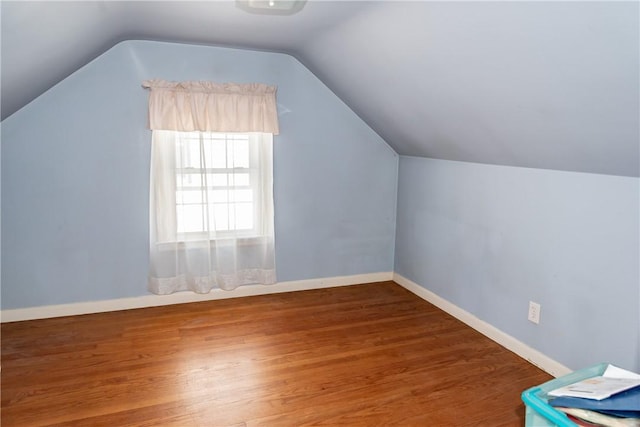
(217,185)
(211,216)
(211,186)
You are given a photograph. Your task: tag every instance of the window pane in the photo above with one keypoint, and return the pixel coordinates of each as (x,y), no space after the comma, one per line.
(231,180)
(190,218)
(218,196)
(221,217)
(244,216)
(218,180)
(238,154)
(188,197)
(230,196)
(216,154)
(239,179)
(242,196)
(188,153)
(189,180)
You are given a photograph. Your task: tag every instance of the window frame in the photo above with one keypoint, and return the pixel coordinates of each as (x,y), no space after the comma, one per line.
(254,174)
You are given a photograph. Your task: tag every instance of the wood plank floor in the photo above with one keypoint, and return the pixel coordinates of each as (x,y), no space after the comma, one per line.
(371,354)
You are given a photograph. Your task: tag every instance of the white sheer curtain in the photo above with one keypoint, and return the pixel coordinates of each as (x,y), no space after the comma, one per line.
(211,194)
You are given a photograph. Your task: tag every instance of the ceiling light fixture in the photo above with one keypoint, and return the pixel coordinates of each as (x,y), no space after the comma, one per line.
(271,7)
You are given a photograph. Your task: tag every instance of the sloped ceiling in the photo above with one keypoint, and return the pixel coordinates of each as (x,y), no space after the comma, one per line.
(552,85)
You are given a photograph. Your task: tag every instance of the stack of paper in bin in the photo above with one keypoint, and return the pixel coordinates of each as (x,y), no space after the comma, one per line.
(612,399)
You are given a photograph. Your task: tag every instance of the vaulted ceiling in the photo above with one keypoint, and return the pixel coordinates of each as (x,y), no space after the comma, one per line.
(552,85)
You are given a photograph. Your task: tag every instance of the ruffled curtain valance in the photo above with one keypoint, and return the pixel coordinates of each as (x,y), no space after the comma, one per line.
(212,107)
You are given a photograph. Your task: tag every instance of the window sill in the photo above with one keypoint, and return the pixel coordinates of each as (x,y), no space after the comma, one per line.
(212,243)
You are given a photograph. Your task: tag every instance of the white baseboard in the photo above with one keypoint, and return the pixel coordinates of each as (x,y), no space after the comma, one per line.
(43,312)
(74,309)
(510,343)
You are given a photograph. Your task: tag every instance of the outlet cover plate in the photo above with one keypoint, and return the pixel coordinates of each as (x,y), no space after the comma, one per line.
(534,312)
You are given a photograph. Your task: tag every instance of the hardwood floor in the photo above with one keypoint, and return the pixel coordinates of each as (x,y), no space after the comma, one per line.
(371,354)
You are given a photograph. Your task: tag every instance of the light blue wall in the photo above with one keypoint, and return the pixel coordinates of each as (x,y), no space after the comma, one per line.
(492,238)
(75,176)
(74,196)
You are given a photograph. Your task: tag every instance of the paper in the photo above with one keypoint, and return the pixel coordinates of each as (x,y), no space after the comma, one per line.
(614,380)
(615,372)
(600,419)
(623,404)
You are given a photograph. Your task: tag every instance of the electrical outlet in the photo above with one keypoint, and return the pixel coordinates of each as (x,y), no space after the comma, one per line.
(534,312)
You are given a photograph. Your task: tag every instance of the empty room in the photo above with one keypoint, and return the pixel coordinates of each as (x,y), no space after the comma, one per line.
(286,213)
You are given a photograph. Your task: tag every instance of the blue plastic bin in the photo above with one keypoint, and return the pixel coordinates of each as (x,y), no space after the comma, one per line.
(540,413)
